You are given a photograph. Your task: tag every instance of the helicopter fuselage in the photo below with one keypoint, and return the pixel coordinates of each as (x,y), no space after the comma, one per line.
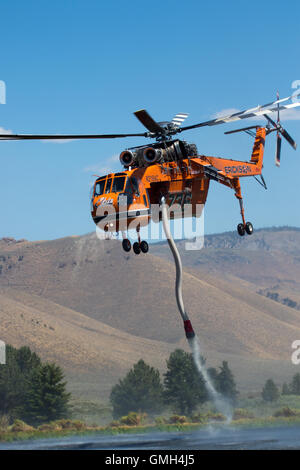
(118,199)
(140,189)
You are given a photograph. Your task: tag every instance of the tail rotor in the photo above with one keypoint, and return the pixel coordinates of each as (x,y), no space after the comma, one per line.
(280,132)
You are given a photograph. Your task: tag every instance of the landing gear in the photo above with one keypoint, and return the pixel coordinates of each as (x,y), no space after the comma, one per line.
(126,245)
(137,246)
(242,229)
(140,245)
(245,227)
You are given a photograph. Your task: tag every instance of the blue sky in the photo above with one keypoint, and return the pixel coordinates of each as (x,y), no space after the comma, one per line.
(85,66)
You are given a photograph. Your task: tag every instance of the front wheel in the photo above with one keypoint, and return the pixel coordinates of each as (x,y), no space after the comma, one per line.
(241,230)
(126,245)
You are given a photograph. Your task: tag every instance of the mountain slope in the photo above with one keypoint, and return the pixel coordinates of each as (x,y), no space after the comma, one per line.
(85,348)
(94,281)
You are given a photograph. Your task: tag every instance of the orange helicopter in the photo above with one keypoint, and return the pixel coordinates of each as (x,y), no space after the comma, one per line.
(173,169)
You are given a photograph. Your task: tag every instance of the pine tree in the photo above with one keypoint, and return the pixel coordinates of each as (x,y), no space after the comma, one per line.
(27,360)
(11,383)
(295,385)
(140,390)
(226,384)
(184,388)
(270,391)
(14,375)
(285,389)
(47,399)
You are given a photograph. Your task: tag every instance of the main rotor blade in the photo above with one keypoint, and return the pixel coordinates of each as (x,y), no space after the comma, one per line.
(147,121)
(248,113)
(66,137)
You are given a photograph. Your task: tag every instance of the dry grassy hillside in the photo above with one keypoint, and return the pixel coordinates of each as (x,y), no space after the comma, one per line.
(107,308)
(88,350)
(268,258)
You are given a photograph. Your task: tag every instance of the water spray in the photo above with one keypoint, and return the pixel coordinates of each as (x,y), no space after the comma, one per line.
(193,340)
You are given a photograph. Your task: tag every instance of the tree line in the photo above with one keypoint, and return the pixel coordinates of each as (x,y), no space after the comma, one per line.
(31,390)
(182,389)
(35,392)
(271,392)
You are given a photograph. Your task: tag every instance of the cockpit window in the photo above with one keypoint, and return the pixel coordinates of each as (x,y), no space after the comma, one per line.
(118,184)
(135,185)
(108,185)
(128,187)
(99,188)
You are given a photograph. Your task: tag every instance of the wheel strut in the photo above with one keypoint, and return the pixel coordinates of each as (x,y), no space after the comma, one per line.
(244,227)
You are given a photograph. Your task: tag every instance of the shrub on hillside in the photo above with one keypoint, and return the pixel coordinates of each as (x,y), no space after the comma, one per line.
(50,427)
(211,416)
(160,420)
(241,413)
(133,419)
(286,412)
(20,426)
(176,419)
(115,423)
(70,424)
(198,418)
(4,422)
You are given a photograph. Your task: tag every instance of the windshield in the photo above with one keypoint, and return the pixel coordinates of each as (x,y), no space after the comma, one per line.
(118,184)
(135,185)
(99,188)
(108,184)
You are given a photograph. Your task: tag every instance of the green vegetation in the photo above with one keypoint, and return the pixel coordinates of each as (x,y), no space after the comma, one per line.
(91,412)
(30,390)
(46,398)
(141,423)
(293,388)
(34,402)
(270,391)
(140,390)
(225,383)
(184,389)
(295,385)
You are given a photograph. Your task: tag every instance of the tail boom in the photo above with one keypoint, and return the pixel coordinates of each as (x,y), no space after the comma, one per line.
(236,168)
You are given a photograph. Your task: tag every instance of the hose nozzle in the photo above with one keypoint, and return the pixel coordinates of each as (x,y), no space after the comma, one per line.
(189,330)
